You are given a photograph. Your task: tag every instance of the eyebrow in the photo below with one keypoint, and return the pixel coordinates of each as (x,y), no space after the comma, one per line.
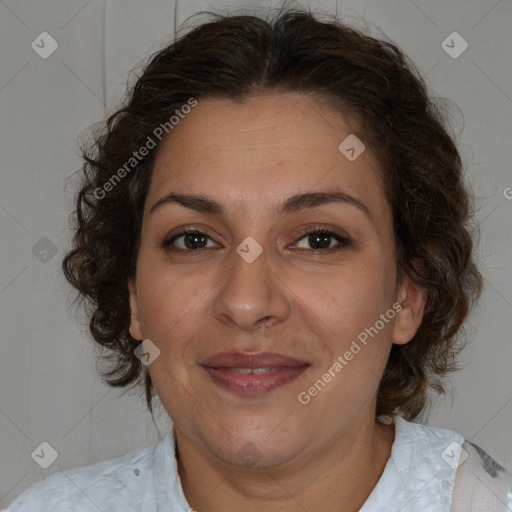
(293,204)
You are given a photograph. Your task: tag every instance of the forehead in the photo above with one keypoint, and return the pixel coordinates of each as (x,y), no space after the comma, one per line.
(265,147)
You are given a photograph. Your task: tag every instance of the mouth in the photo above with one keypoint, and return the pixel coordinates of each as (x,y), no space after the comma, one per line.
(252,374)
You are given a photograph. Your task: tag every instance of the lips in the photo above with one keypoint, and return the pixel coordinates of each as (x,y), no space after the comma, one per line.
(240,360)
(250,374)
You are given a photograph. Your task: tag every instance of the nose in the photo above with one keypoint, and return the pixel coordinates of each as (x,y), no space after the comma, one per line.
(251,294)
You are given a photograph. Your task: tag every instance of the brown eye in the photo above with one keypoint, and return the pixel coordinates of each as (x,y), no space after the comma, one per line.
(321,240)
(190,240)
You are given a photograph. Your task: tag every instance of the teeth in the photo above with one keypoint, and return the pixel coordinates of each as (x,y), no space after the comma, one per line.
(253,370)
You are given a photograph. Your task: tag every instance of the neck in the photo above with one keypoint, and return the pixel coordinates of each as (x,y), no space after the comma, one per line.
(340,477)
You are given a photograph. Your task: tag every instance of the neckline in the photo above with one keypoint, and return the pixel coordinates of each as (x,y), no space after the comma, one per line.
(416,476)
(413,443)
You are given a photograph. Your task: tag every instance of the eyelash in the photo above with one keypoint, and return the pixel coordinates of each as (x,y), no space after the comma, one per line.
(342,241)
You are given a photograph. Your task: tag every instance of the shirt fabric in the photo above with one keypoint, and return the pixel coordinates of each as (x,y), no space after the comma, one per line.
(430,470)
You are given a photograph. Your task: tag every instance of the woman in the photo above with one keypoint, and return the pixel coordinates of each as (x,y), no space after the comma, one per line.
(273,236)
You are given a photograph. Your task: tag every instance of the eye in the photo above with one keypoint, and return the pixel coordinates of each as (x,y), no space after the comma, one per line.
(192,239)
(320,239)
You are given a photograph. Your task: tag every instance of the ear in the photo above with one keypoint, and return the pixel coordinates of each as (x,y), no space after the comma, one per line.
(135,330)
(413,300)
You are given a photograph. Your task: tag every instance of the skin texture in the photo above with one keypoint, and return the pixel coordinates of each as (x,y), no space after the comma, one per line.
(305,303)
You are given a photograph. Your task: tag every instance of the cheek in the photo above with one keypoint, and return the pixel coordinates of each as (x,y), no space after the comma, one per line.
(350,297)
(349,304)
(170,307)
(167,303)
(355,341)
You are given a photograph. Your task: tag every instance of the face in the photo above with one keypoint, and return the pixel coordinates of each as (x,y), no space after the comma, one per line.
(264,273)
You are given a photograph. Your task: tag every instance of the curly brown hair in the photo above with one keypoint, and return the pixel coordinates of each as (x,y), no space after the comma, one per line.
(372,80)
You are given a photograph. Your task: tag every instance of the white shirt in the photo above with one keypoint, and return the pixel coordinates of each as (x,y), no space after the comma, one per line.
(429,470)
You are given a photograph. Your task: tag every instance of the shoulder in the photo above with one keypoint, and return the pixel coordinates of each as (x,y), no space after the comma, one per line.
(481,483)
(437,447)
(109,485)
(420,471)
(478,482)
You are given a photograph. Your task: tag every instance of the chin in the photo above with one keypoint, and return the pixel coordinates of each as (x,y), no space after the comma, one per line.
(255,443)
(246,454)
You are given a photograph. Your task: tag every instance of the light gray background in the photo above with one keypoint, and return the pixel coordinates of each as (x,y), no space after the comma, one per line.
(49,389)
